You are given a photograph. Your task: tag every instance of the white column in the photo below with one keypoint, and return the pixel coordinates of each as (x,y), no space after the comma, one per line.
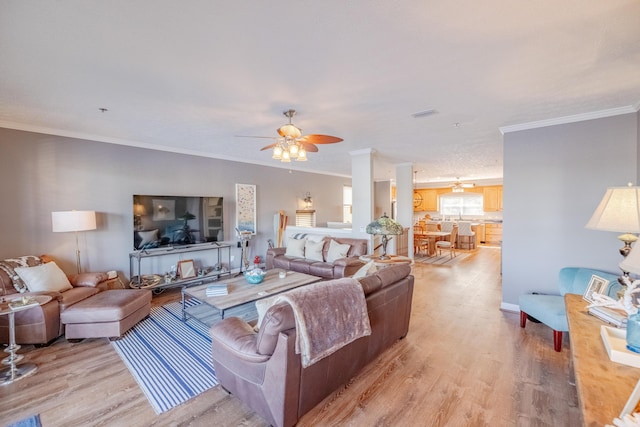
(362,187)
(404,199)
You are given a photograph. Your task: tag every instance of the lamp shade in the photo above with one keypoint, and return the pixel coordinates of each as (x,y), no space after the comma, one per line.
(619,211)
(384,225)
(66,221)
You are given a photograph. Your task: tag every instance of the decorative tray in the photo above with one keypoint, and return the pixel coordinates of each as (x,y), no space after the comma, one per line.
(146,281)
(615,341)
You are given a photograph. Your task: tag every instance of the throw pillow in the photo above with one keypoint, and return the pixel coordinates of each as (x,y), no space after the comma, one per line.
(44,277)
(295,247)
(313,250)
(262,305)
(365,270)
(337,251)
(147,237)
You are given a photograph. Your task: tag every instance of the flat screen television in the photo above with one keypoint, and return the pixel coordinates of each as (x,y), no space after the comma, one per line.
(176,220)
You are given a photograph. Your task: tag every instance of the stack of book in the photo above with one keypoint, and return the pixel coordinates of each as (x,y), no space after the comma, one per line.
(217,289)
(612,316)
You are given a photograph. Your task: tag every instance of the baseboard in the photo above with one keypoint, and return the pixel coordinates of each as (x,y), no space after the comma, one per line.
(509,307)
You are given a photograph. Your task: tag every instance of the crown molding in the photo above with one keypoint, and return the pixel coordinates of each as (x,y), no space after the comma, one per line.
(130,143)
(571,119)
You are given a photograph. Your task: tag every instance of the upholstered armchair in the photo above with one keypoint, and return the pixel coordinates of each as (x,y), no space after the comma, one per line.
(550,309)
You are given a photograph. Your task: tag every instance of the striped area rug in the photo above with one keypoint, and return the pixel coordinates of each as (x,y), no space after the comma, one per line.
(445,259)
(170,359)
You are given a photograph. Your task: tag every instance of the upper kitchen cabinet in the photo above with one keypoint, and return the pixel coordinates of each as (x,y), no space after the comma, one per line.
(425,199)
(492,198)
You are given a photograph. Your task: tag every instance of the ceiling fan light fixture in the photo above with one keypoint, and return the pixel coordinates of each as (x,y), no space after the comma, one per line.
(286,157)
(302,155)
(277,152)
(293,151)
(289,131)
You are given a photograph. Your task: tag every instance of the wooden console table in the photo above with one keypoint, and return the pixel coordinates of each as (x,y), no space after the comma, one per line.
(603,386)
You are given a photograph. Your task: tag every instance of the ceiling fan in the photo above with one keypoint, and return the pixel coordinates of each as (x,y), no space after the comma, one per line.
(459,186)
(292,144)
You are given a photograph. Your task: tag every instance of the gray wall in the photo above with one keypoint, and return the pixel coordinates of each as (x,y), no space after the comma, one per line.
(44,173)
(554,178)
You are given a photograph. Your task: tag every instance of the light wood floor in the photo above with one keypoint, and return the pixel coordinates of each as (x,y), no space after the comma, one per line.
(463,363)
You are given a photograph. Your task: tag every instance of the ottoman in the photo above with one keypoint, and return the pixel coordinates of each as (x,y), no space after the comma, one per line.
(106,314)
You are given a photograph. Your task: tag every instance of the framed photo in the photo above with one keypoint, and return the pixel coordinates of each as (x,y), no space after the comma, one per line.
(246,208)
(186,269)
(632,403)
(596,285)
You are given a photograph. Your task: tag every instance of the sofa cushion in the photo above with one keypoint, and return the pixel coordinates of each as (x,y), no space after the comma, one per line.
(301,265)
(337,251)
(74,295)
(365,270)
(44,277)
(278,318)
(295,247)
(322,269)
(313,250)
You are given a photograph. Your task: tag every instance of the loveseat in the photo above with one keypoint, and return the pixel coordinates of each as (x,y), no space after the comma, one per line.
(44,323)
(329,258)
(263,370)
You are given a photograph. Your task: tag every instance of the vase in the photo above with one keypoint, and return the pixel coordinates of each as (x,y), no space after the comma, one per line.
(633,333)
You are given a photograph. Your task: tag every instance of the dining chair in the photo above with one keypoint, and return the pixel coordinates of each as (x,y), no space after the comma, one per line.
(420,241)
(448,244)
(466,236)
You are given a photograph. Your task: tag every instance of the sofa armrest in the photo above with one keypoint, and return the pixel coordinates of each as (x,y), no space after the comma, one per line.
(237,339)
(271,254)
(346,267)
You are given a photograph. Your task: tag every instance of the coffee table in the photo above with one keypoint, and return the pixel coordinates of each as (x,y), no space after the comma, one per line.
(241,298)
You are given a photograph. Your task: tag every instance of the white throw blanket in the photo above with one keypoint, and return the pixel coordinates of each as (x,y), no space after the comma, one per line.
(329,315)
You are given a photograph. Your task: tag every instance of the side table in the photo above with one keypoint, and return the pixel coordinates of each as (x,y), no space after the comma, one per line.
(14,372)
(382,263)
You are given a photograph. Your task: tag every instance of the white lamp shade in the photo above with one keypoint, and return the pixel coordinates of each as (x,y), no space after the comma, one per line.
(619,211)
(66,221)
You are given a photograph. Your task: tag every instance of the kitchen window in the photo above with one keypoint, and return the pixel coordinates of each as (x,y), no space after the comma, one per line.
(458,204)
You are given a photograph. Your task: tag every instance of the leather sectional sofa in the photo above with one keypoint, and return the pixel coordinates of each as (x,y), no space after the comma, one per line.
(343,267)
(263,370)
(42,324)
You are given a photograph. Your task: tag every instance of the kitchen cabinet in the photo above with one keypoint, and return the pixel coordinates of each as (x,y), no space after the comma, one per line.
(429,200)
(480,231)
(493,233)
(492,198)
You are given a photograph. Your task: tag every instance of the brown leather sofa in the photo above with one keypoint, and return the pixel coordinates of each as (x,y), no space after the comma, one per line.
(343,267)
(41,325)
(263,370)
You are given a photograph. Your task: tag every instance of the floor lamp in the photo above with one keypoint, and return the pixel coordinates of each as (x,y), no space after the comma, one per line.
(66,221)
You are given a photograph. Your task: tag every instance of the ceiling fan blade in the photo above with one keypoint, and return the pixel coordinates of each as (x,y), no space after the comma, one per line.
(320,139)
(308,146)
(269,146)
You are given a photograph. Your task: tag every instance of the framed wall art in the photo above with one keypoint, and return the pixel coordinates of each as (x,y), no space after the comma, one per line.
(246,208)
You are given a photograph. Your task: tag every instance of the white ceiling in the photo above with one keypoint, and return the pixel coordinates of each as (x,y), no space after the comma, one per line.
(188,76)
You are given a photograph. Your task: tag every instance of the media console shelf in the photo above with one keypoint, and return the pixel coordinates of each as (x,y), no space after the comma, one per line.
(135,259)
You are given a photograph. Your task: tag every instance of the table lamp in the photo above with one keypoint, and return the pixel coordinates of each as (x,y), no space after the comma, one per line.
(384,226)
(75,221)
(619,211)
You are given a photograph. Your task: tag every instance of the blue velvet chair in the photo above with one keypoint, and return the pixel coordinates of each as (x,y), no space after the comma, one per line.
(550,309)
